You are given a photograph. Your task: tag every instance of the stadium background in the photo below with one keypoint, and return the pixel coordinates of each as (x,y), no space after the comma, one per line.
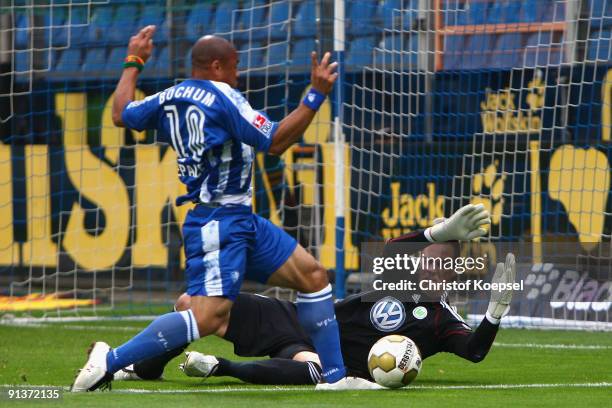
(507,103)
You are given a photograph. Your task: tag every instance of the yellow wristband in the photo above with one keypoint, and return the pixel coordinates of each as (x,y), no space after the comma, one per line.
(134,58)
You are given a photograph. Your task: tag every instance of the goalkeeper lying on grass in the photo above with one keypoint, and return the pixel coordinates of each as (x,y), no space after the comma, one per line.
(262,326)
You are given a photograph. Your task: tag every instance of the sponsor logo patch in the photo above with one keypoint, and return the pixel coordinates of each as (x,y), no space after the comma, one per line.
(387,314)
(259,121)
(263,124)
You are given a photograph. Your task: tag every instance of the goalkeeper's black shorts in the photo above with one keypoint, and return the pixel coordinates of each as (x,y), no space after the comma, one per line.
(262,326)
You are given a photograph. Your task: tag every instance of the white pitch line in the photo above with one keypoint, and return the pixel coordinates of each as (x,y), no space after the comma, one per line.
(511,386)
(418,387)
(137,329)
(213,390)
(554,346)
(293,389)
(73,327)
(36,320)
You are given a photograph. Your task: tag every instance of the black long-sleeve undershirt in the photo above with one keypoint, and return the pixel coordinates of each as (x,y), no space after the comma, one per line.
(473,346)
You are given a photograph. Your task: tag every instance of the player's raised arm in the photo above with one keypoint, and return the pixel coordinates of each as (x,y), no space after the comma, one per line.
(322,76)
(140,48)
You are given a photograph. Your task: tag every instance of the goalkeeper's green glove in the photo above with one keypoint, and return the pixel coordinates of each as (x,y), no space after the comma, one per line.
(464,225)
(505,273)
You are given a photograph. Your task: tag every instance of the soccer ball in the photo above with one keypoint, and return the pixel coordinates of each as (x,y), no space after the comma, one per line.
(394,361)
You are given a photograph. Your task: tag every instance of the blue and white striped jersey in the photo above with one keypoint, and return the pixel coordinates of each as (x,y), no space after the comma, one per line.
(214,132)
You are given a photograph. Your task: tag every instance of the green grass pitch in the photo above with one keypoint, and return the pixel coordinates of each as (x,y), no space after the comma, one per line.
(524,368)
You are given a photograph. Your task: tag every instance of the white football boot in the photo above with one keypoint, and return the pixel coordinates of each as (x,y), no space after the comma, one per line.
(199,365)
(349,383)
(126,374)
(93,375)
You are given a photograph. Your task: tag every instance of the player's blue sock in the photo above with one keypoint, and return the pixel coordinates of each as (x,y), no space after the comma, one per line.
(165,333)
(316,314)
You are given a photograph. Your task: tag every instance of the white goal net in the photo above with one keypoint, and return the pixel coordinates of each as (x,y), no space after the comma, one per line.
(504,103)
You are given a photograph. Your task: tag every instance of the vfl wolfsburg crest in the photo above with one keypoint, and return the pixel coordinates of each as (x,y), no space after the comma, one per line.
(419,313)
(387,314)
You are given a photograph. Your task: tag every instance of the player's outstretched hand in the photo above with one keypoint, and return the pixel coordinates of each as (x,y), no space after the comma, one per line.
(141,44)
(323,75)
(464,225)
(505,275)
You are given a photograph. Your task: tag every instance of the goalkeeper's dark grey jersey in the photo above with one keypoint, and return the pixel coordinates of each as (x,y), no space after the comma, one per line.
(363,319)
(362,323)
(261,326)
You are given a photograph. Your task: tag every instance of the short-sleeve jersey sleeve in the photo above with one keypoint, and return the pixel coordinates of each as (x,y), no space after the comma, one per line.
(245,123)
(141,115)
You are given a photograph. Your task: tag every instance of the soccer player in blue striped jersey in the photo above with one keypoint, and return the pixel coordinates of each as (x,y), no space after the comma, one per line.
(215,134)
